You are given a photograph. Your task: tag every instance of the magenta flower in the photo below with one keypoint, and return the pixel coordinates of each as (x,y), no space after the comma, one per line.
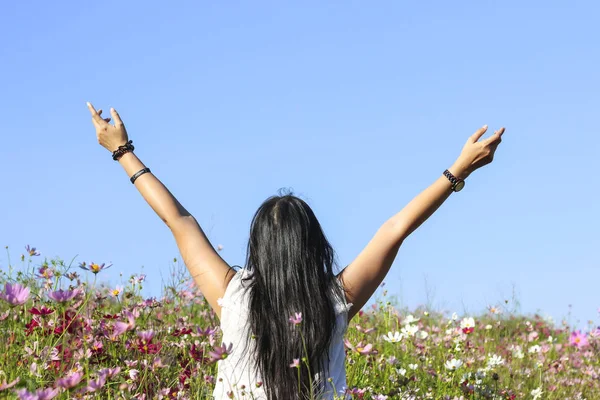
(578,339)
(31,251)
(93,267)
(41,311)
(15,294)
(220,352)
(40,394)
(70,380)
(45,272)
(62,296)
(297,320)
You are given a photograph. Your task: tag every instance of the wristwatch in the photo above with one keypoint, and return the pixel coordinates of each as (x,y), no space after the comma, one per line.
(457,183)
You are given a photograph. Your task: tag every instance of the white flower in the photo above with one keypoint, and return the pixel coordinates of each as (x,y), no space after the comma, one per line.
(534,349)
(550,339)
(409,330)
(133,374)
(422,335)
(410,319)
(495,360)
(453,364)
(488,327)
(518,353)
(454,316)
(536,393)
(402,371)
(413,366)
(393,337)
(467,323)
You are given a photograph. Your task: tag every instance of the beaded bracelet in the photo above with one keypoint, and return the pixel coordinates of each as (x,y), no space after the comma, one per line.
(126,148)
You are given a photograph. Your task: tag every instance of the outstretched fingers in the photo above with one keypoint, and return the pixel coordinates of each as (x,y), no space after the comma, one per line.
(478,134)
(96,118)
(116,117)
(107,119)
(496,138)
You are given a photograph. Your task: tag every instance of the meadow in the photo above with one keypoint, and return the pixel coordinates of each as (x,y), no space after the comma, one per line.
(66,334)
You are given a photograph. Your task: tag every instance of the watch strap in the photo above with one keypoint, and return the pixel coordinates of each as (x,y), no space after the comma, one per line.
(453,179)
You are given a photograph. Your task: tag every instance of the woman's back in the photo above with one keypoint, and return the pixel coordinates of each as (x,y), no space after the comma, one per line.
(236,378)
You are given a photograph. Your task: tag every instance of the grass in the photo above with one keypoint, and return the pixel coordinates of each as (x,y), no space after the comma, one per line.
(102,342)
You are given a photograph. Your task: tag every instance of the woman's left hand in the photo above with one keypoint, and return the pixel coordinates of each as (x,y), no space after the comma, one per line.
(109,136)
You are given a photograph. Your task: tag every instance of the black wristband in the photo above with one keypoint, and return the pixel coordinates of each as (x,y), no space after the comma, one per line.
(137,174)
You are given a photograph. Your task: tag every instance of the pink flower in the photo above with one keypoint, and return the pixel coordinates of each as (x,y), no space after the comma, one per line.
(109,372)
(360,348)
(122,327)
(15,294)
(4,386)
(578,339)
(220,352)
(146,336)
(297,320)
(62,296)
(70,380)
(296,363)
(40,394)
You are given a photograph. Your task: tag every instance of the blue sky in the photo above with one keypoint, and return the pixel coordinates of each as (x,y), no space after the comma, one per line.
(356,106)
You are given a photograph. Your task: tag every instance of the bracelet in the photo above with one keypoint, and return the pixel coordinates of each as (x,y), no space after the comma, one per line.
(126,148)
(137,174)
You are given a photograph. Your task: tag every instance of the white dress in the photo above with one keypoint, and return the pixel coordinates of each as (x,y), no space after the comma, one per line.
(235,372)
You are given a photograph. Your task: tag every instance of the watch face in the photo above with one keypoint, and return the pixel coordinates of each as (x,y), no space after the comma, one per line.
(459,186)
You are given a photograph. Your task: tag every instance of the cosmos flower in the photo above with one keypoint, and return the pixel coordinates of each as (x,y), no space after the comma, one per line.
(62,296)
(360,348)
(116,291)
(467,325)
(297,320)
(578,339)
(5,385)
(410,319)
(41,311)
(453,364)
(393,337)
(220,352)
(40,394)
(70,381)
(15,294)
(495,360)
(93,267)
(31,250)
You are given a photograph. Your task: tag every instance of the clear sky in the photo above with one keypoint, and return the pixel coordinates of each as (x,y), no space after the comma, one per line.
(357,106)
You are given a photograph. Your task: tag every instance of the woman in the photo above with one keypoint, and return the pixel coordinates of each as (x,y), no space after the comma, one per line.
(284,315)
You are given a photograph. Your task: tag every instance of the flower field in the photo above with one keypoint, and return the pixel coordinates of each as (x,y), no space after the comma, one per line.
(65,334)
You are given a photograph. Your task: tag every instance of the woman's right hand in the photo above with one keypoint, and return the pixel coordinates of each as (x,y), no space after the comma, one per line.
(109,136)
(475,154)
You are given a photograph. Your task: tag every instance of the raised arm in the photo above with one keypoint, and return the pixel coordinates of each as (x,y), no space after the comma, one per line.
(362,277)
(210,272)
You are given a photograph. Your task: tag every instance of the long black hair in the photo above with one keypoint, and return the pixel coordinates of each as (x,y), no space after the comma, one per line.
(291,264)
